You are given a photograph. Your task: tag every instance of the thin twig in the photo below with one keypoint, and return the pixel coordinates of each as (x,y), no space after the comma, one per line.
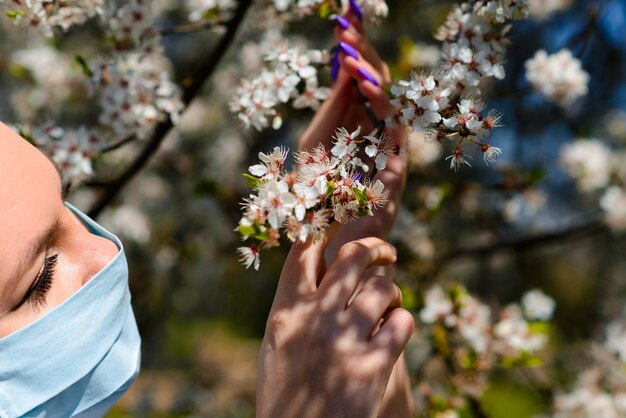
(575,232)
(192,27)
(204,71)
(112,147)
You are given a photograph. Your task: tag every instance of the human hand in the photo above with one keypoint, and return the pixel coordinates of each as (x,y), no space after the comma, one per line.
(345,106)
(322,357)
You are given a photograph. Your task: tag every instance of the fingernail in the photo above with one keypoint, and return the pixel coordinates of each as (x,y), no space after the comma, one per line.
(334,66)
(394,249)
(348,50)
(343,22)
(356,9)
(367,76)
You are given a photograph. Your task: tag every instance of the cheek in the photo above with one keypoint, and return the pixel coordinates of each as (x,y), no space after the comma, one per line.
(16,321)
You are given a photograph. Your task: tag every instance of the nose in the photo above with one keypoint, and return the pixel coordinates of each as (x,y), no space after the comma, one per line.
(92,252)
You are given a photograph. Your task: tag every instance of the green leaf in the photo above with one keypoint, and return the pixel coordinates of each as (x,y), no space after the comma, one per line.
(84,66)
(360,196)
(14,14)
(253,182)
(540,327)
(210,14)
(246,231)
(18,71)
(325,11)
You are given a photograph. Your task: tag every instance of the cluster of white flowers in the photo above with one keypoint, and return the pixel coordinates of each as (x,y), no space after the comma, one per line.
(45,79)
(474,37)
(596,167)
(373,10)
(600,391)
(210,10)
(135,94)
(541,9)
(46,15)
(479,343)
(558,77)
(303,203)
(293,77)
(590,398)
(71,150)
(589,161)
(131,27)
(133,85)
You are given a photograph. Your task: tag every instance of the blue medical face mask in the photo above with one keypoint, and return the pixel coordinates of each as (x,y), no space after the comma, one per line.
(79,358)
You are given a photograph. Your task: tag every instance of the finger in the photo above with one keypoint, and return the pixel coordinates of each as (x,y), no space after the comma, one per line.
(362,45)
(379,225)
(356,116)
(379,100)
(353,258)
(328,116)
(355,16)
(378,296)
(303,266)
(394,333)
(369,82)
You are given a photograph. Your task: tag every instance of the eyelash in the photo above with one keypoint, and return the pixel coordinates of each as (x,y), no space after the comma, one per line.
(37,293)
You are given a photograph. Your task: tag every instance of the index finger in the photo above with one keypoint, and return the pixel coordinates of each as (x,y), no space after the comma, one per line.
(303,267)
(352,260)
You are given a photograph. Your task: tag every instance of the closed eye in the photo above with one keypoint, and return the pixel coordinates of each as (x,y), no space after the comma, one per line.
(36,294)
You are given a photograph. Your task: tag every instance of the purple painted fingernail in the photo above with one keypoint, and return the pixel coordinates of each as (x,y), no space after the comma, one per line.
(343,22)
(367,76)
(356,9)
(348,50)
(334,66)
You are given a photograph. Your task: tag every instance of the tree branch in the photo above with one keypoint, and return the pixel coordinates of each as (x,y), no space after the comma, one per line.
(592,227)
(192,27)
(202,74)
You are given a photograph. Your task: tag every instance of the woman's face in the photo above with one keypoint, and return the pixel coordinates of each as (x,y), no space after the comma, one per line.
(46,253)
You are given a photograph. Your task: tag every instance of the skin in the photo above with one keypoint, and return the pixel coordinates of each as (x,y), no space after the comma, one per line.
(347,384)
(340,362)
(31,193)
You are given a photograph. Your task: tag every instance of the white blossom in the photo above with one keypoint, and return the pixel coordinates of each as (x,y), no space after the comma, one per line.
(437,306)
(538,306)
(613,203)
(210,9)
(558,77)
(38,14)
(540,9)
(71,150)
(589,161)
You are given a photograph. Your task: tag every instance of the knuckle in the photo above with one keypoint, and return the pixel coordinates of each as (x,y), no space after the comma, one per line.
(382,286)
(405,320)
(352,249)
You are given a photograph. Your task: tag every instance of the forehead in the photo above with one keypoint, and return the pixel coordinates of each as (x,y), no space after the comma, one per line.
(29,196)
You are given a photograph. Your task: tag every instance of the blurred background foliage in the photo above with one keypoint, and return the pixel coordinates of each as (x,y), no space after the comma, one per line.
(500,231)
